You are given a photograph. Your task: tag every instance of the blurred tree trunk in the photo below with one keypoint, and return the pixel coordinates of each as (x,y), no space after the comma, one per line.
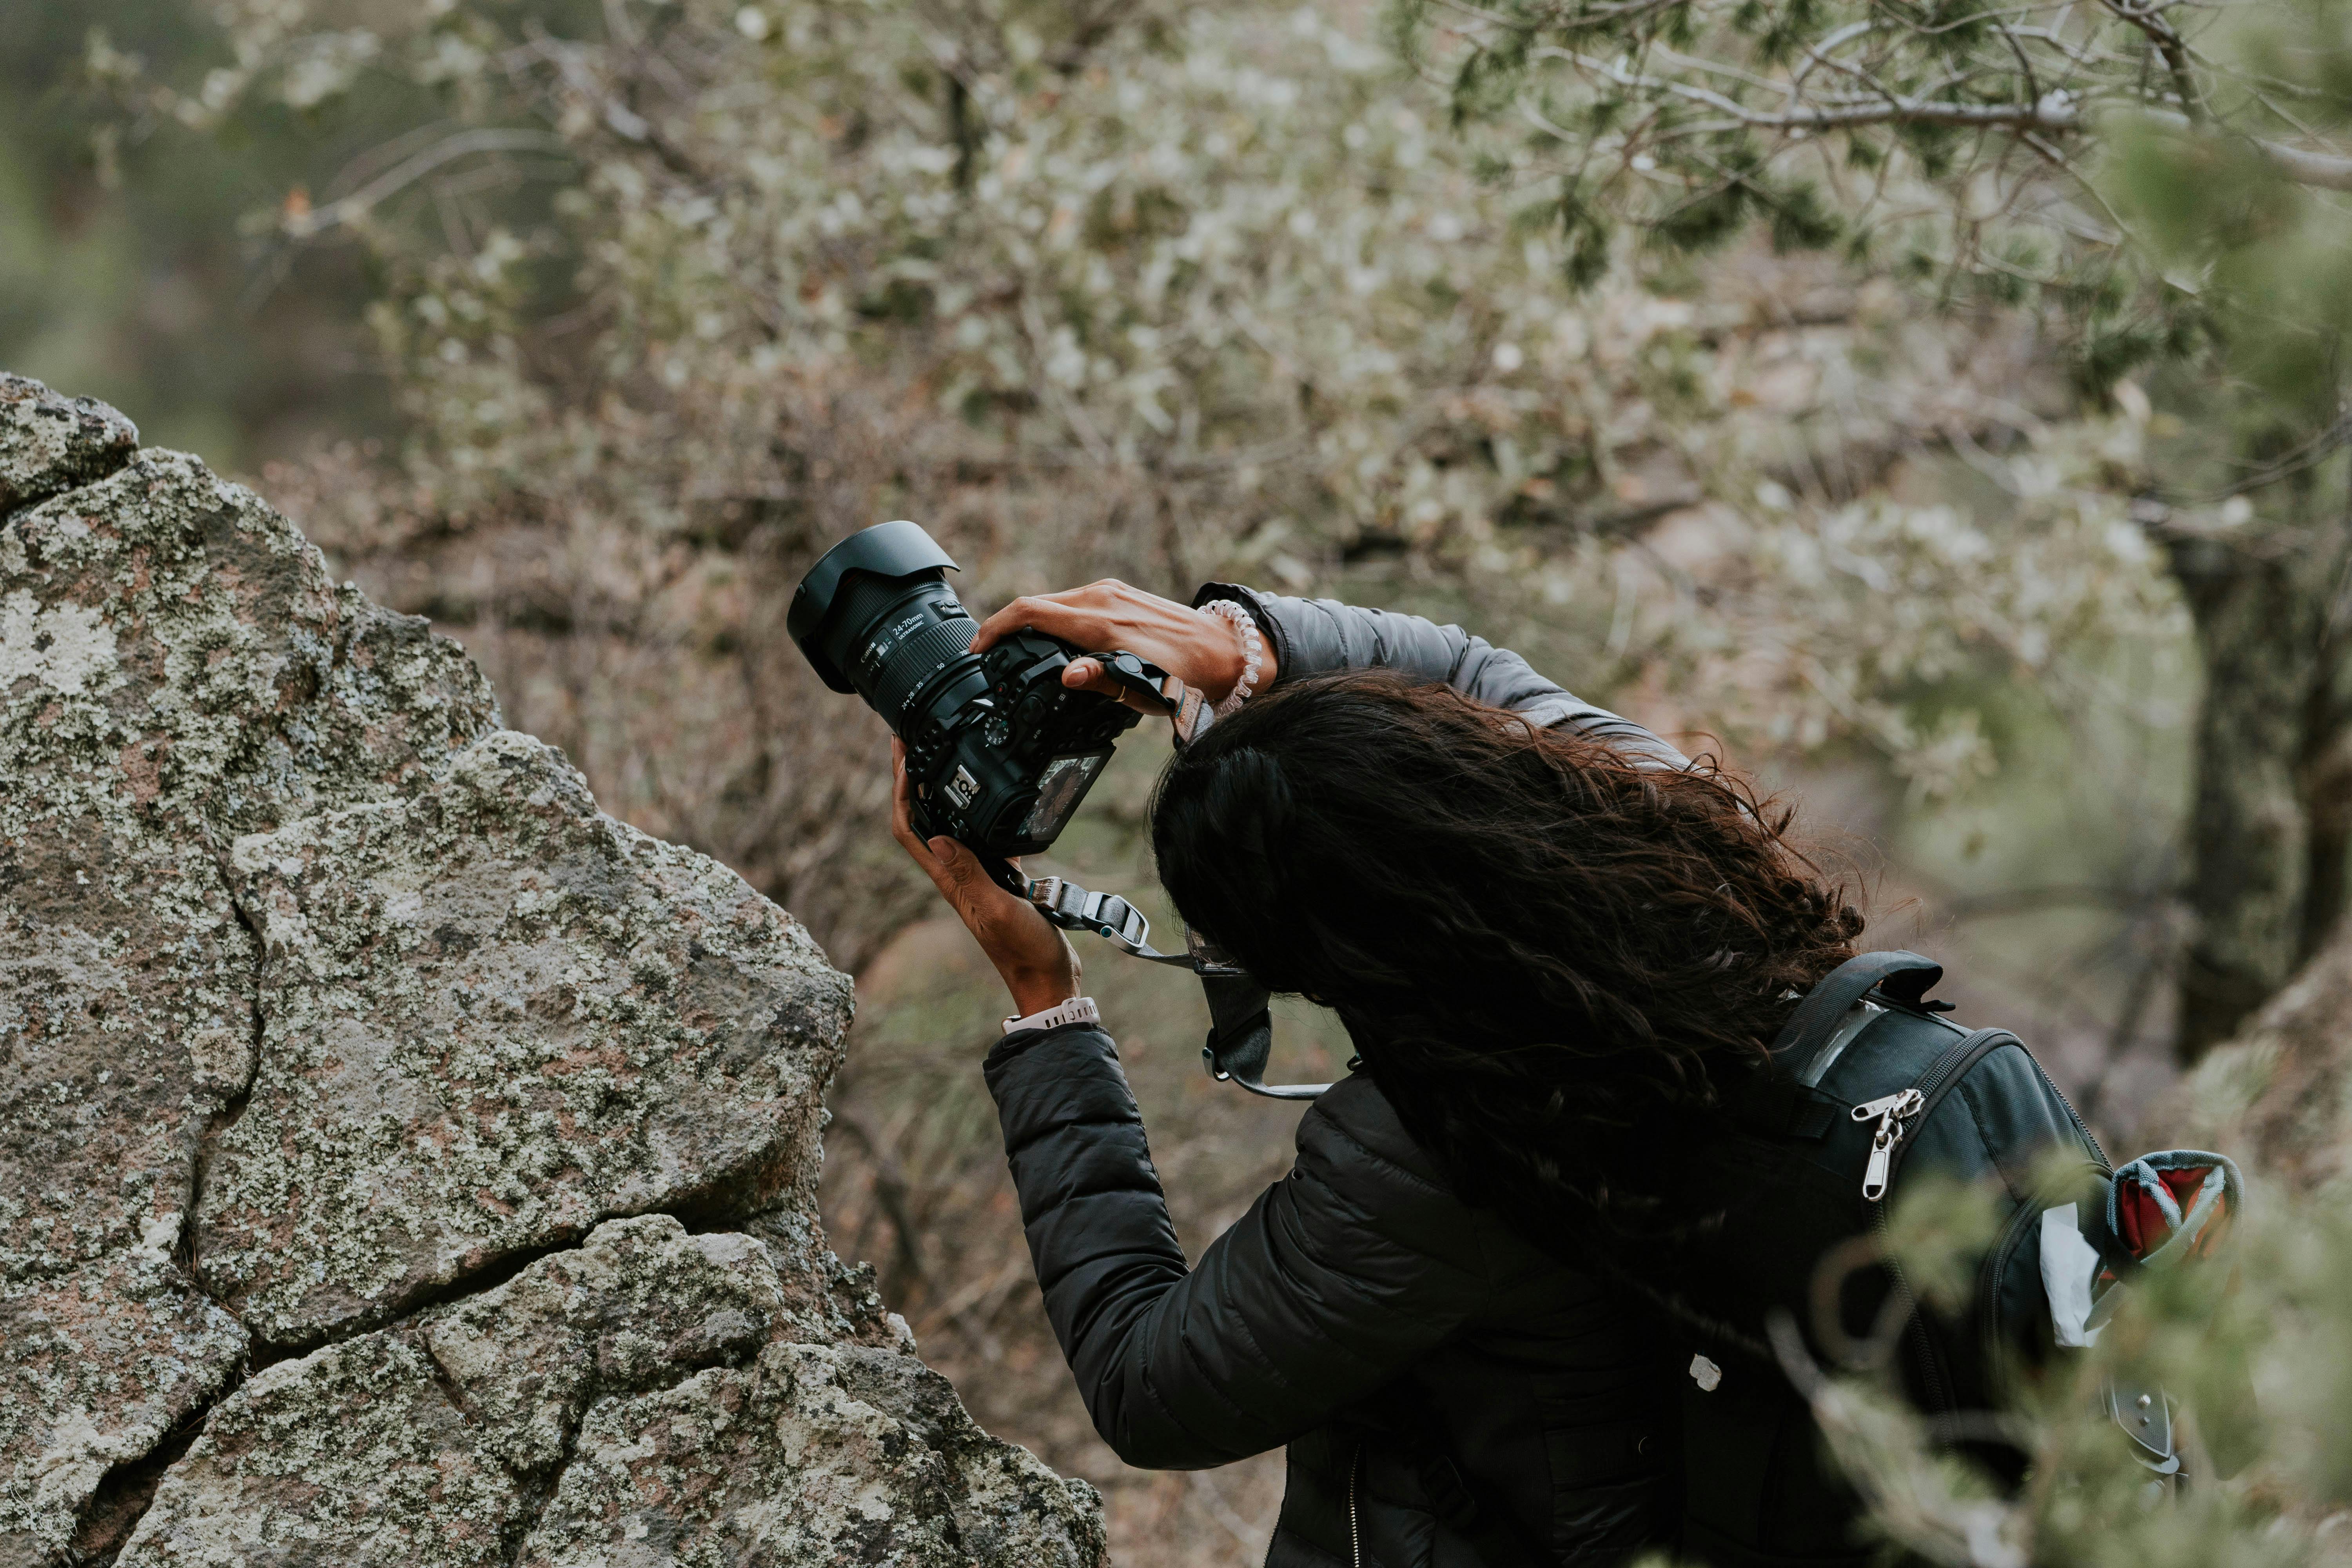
(2271,826)
(2275,1096)
(2327,777)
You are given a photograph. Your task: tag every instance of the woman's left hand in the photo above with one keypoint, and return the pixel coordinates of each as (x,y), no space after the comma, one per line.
(1037,963)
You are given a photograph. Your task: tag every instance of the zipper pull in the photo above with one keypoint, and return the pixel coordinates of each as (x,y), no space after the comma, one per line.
(1882,1106)
(1881,1155)
(1892,1111)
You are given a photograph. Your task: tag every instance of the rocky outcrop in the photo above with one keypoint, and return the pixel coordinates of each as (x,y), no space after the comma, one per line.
(491,1017)
(400,1160)
(2279,1096)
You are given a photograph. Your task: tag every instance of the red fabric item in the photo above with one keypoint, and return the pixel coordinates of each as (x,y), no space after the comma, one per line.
(2141,1220)
(2143,1227)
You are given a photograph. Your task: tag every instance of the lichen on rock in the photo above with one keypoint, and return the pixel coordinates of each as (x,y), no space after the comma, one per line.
(647,1397)
(341,1034)
(804,1457)
(491,1017)
(50,443)
(175,667)
(100,1365)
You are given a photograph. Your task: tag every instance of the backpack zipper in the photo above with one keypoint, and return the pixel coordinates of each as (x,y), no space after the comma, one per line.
(1948,1068)
(1888,1148)
(2077,1117)
(1938,1080)
(1892,1111)
(1912,1104)
(1931,1367)
(1355,1537)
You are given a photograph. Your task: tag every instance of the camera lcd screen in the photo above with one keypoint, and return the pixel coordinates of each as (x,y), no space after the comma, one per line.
(1059,789)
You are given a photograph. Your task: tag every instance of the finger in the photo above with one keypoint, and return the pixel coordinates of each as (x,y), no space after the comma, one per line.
(1065,614)
(902,826)
(971,889)
(923,856)
(965,871)
(1089,675)
(1006,923)
(957,864)
(1009,619)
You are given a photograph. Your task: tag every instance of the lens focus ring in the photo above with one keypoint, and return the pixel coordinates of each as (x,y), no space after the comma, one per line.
(909,660)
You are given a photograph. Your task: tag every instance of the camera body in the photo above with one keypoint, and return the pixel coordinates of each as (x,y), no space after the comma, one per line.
(999,752)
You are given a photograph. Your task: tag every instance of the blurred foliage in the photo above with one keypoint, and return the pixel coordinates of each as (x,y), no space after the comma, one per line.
(2249,1350)
(124,272)
(676,294)
(2251,227)
(2159,177)
(2158,186)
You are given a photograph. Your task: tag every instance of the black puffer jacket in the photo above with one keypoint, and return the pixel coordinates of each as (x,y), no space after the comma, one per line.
(1452,1397)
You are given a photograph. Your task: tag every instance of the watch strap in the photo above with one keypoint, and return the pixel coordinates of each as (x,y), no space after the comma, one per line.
(1076,1010)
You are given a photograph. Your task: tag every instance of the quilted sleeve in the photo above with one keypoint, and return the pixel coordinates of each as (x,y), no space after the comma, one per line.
(1310,636)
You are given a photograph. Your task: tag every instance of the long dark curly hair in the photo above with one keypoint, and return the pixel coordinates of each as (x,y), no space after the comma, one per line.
(1561,963)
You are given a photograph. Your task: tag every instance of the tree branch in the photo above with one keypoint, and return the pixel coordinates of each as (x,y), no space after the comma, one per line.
(2324,170)
(2056,111)
(306,225)
(2167,43)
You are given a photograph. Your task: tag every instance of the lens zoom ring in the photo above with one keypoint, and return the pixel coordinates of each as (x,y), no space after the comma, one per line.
(909,666)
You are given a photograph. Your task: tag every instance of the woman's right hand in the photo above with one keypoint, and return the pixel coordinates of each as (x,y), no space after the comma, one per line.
(1200,650)
(1037,961)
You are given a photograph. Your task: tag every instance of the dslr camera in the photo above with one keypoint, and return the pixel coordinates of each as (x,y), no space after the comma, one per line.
(999,752)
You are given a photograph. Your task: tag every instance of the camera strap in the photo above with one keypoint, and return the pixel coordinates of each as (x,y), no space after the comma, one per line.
(1240,1021)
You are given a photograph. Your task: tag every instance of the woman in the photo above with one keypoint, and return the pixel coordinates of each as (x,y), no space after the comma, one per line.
(1561,950)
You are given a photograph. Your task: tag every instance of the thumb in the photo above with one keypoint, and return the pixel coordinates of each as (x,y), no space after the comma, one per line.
(954,858)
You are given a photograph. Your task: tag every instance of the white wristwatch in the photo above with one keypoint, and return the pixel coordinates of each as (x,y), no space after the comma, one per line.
(1076,1010)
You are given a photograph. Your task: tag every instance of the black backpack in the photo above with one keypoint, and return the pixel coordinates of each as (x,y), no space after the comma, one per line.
(1871,1091)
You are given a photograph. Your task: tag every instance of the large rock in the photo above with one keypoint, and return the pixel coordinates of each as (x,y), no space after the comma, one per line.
(650,1397)
(99,1366)
(808,1454)
(491,1017)
(338,1035)
(176,668)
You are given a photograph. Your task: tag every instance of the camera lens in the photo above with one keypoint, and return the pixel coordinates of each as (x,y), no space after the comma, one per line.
(896,636)
(999,753)
(875,617)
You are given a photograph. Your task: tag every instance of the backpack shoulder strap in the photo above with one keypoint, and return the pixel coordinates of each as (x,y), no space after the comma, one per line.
(1900,977)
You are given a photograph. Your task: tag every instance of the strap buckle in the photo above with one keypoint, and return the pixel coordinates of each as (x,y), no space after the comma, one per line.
(1241,1035)
(1108,915)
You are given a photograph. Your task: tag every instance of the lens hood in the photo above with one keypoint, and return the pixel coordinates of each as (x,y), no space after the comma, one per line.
(887,550)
